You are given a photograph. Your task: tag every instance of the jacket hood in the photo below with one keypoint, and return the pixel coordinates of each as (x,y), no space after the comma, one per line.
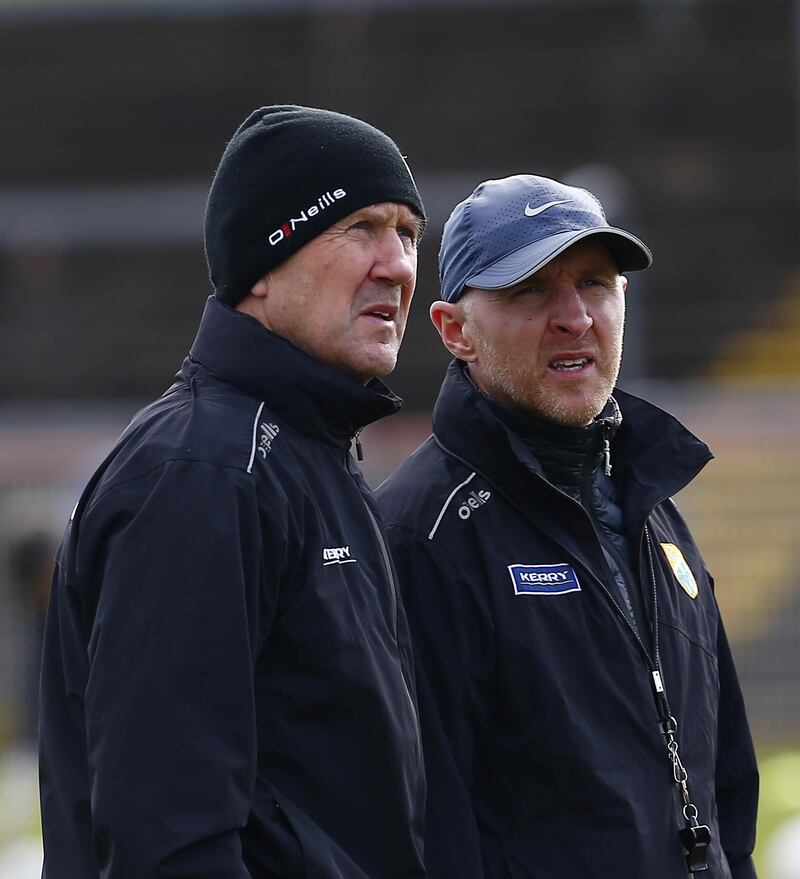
(314,397)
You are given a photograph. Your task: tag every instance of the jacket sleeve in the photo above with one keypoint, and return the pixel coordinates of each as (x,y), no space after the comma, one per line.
(736,771)
(176,562)
(451,637)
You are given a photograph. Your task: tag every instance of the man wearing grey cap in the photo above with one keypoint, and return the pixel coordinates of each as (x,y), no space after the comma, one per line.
(227,690)
(581,714)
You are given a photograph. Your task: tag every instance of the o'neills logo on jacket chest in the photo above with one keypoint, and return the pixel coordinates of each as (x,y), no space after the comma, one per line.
(324,201)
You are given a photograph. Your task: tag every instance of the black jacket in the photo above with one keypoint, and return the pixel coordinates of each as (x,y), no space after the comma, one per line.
(227,686)
(544,753)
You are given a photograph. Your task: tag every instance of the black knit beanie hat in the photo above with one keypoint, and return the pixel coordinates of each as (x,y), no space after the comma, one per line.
(288,174)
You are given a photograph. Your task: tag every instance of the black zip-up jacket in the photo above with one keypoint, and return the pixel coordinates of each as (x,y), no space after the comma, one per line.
(227,682)
(541,723)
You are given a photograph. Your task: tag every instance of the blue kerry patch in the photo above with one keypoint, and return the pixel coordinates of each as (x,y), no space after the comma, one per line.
(544,579)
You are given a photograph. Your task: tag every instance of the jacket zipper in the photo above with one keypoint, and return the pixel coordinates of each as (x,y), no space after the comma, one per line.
(393,589)
(652,666)
(653,662)
(387,566)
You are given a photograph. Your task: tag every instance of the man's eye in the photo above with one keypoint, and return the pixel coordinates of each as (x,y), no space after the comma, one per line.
(606,283)
(407,232)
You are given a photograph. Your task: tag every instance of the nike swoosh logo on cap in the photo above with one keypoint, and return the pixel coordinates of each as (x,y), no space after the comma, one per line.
(532,212)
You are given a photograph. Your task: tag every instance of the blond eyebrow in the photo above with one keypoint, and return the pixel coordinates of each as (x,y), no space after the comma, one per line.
(610,269)
(595,263)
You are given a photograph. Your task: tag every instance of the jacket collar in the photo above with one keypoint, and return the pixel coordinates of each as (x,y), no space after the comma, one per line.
(567,455)
(654,456)
(312,396)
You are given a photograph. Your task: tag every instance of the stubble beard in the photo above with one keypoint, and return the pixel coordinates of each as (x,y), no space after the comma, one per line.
(515,383)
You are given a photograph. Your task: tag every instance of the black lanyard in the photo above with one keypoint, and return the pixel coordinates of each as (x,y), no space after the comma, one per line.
(694,837)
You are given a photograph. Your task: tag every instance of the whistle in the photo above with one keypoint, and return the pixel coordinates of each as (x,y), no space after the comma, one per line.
(695,842)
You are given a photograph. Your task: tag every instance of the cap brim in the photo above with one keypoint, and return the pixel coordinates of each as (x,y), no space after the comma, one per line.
(628,252)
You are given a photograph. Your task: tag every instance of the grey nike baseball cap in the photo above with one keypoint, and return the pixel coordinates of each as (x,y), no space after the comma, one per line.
(508,229)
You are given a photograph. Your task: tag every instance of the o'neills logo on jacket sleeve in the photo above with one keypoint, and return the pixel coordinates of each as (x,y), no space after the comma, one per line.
(323,202)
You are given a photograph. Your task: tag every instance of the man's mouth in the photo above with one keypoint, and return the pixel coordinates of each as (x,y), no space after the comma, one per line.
(385,313)
(570,364)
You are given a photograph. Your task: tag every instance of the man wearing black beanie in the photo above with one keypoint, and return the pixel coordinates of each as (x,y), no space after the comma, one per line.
(227,687)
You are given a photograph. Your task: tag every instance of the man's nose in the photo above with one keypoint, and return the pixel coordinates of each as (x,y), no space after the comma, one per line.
(569,314)
(395,261)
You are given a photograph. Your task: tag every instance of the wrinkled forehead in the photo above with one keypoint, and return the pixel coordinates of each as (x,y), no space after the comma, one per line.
(387,212)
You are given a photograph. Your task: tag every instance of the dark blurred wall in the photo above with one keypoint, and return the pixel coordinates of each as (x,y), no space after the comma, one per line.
(686,111)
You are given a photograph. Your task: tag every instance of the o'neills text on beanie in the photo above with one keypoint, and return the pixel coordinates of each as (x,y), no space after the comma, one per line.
(286,229)
(288,174)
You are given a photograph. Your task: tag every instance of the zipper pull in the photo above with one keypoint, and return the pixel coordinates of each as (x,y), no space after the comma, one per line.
(607,455)
(660,692)
(605,432)
(359,449)
(657,682)
(662,705)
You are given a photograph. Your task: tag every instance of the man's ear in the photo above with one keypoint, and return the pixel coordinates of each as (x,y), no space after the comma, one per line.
(450,320)
(261,287)
(255,302)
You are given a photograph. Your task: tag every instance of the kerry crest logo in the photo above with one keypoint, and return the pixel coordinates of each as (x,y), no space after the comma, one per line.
(683,573)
